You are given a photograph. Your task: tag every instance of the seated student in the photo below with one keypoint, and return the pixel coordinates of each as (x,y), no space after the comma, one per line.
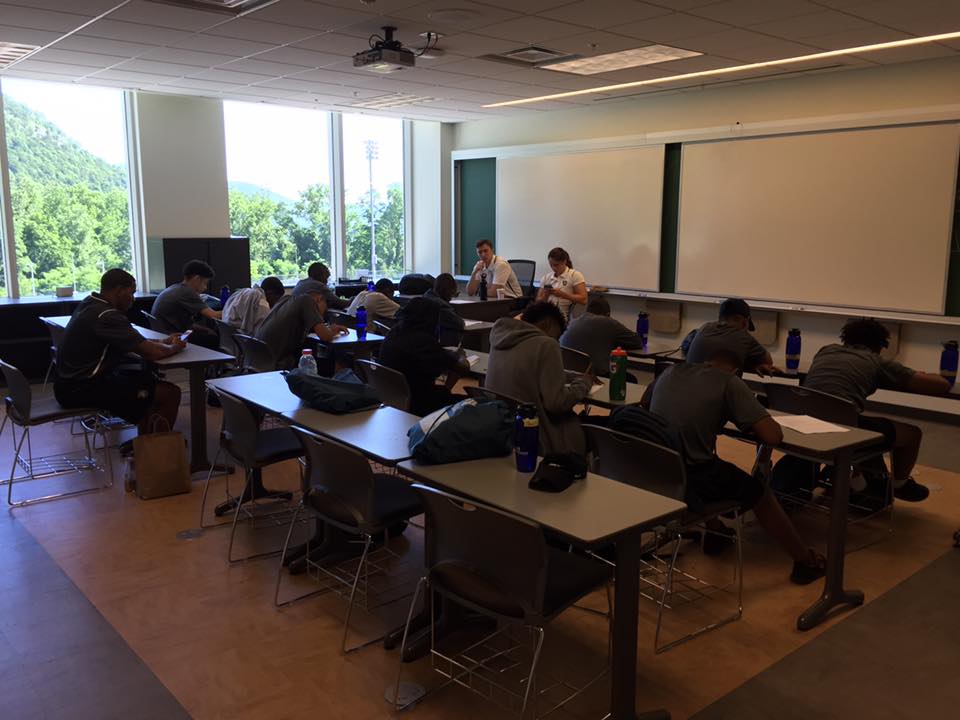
(378,302)
(320,273)
(563,286)
(500,276)
(286,328)
(96,340)
(525,363)
(451,325)
(412,349)
(246,308)
(180,308)
(597,334)
(698,400)
(730,333)
(855,370)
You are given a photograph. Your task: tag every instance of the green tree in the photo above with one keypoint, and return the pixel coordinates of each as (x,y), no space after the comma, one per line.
(389,227)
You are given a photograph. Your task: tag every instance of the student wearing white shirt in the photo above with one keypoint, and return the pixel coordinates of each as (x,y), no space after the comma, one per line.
(500,276)
(246,309)
(378,302)
(562,286)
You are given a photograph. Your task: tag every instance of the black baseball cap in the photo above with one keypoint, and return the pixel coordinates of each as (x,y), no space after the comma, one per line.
(736,306)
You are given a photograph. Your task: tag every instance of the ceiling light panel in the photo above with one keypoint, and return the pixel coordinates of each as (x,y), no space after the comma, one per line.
(395,100)
(609,62)
(11,52)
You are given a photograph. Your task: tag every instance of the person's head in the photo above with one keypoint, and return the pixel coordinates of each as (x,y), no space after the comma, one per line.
(445,287)
(485,251)
(272,289)
(735,311)
(418,314)
(866,332)
(197,274)
(724,359)
(547,317)
(117,288)
(384,286)
(598,305)
(319,272)
(559,260)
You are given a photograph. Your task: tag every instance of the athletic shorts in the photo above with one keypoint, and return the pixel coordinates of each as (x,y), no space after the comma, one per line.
(127,395)
(719,481)
(882,425)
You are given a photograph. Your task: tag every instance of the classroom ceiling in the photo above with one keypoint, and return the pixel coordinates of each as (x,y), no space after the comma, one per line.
(298,52)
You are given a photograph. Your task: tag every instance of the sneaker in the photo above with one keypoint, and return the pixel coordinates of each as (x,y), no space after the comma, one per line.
(805,573)
(911,491)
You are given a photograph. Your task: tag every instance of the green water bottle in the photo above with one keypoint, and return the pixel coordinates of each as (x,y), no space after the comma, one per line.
(618,375)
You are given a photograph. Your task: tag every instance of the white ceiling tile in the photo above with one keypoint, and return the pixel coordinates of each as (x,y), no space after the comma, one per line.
(132,79)
(225,76)
(186,57)
(245,28)
(262,91)
(169,16)
(527,6)
(105,46)
(54,68)
(407,32)
(854,38)
(532,30)
(316,16)
(33,75)
(750,12)
(38,19)
(291,85)
(595,42)
(819,23)
(682,5)
(667,28)
(744,45)
(481,68)
(427,15)
(26,36)
(474,45)
(602,14)
(909,54)
(299,56)
(155,67)
(695,64)
(80,59)
(135,32)
(922,17)
(234,47)
(380,6)
(551,78)
(196,84)
(261,67)
(90,8)
(333,43)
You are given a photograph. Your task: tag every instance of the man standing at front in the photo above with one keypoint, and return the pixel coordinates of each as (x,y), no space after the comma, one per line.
(500,276)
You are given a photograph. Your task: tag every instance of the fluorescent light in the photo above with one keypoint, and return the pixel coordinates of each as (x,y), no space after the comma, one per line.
(736,68)
(608,62)
(394,100)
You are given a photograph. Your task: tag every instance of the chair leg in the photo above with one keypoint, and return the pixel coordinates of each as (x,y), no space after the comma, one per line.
(361,566)
(423,582)
(16,457)
(236,518)
(739,567)
(533,670)
(206,490)
(667,589)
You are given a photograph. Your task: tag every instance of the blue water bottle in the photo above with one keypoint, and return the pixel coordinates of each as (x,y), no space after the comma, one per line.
(224,294)
(643,328)
(793,351)
(948,361)
(361,323)
(527,438)
(370,285)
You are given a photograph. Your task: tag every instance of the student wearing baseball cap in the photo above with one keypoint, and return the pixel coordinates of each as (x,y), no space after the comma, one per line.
(731,333)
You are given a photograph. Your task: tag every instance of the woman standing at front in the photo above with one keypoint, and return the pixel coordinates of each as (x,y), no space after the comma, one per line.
(563,286)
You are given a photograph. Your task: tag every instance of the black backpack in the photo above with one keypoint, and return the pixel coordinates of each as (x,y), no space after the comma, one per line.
(640,422)
(416,284)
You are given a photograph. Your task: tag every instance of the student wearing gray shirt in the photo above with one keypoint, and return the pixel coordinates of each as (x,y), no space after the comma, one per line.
(597,334)
(854,370)
(698,400)
(730,332)
(286,328)
(320,273)
(180,308)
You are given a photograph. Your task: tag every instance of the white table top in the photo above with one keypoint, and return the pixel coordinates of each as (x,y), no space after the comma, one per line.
(590,511)
(349,338)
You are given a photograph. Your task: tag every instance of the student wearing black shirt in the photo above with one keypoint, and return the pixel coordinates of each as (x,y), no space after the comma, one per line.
(451,325)
(96,340)
(180,308)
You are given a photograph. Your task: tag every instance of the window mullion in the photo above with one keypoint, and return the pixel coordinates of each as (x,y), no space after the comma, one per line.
(6,212)
(338,240)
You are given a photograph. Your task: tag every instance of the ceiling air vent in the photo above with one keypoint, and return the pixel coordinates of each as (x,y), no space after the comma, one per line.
(530,56)
(231,7)
(11,52)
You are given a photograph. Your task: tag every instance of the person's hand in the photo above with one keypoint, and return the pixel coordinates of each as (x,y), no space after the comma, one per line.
(176,343)
(339,329)
(768,369)
(478,267)
(173,339)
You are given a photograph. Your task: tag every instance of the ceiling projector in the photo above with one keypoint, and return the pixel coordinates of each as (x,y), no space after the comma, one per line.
(386,55)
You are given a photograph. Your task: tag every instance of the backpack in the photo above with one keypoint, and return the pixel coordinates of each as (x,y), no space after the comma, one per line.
(468,430)
(640,422)
(415,284)
(329,395)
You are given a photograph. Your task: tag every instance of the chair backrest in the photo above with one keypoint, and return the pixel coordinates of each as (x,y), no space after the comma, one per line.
(389,384)
(19,394)
(481,393)
(636,462)
(241,427)
(805,401)
(256,355)
(341,318)
(228,338)
(526,271)
(56,334)
(477,538)
(152,321)
(341,480)
(575,361)
(381,327)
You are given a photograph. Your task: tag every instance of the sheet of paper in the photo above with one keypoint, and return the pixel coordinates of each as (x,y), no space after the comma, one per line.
(473,359)
(808,425)
(471,323)
(597,388)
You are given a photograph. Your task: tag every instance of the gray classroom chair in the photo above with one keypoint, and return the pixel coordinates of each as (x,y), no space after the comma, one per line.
(152,321)
(575,361)
(255,355)
(227,335)
(390,385)
(481,393)
(56,337)
(381,328)
(526,271)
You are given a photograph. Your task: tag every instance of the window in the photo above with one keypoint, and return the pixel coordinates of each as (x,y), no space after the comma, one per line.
(66,148)
(373,195)
(278,173)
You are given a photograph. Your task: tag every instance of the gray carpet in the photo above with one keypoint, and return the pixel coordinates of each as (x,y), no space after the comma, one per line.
(898,657)
(59,658)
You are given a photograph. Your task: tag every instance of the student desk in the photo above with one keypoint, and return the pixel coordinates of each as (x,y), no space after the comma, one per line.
(473,308)
(350,341)
(656,350)
(195,359)
(476,334)
(590,513)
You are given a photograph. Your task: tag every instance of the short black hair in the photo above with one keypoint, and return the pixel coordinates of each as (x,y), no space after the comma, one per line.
(319,272)
(197,267)
(384,286)
(484,241)
(445,286)
(116,278)
(867,332)
(598,305)
(539,311)
(272,285)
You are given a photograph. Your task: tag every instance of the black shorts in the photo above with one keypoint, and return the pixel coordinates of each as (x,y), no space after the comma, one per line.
(882,425)
(126,395)
(719,481)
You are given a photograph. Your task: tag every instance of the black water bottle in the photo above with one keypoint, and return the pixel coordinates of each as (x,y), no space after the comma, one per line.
(483,286)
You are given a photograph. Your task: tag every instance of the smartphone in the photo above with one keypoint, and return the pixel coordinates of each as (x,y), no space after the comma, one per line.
(183,338)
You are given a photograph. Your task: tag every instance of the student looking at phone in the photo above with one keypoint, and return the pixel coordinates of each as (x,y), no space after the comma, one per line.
(180,308)
(562,286)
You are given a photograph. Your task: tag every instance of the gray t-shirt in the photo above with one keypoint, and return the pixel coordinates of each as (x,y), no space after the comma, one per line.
(287,325)
(854,373)
(597,336)
(720,335)
(176,308)
(698,400)
(95,341)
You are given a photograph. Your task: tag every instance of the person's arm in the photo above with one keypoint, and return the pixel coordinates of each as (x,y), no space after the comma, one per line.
(626,338)
(927,384)
(327,332)
(474,284)
(543,293)
(156,350)
(578,296)
(768,432)
(212,314)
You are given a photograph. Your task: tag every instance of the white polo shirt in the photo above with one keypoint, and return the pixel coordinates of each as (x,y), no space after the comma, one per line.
(500,273)
(567,281)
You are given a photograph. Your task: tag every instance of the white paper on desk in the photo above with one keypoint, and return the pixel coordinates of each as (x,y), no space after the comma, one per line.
(596,388)
(470,323)
(808,425)
(473,359)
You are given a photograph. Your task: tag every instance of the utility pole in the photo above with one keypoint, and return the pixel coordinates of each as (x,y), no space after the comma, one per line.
(371,146)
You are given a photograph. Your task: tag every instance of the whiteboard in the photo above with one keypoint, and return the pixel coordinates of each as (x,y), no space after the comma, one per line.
(602,207)
(856,219)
